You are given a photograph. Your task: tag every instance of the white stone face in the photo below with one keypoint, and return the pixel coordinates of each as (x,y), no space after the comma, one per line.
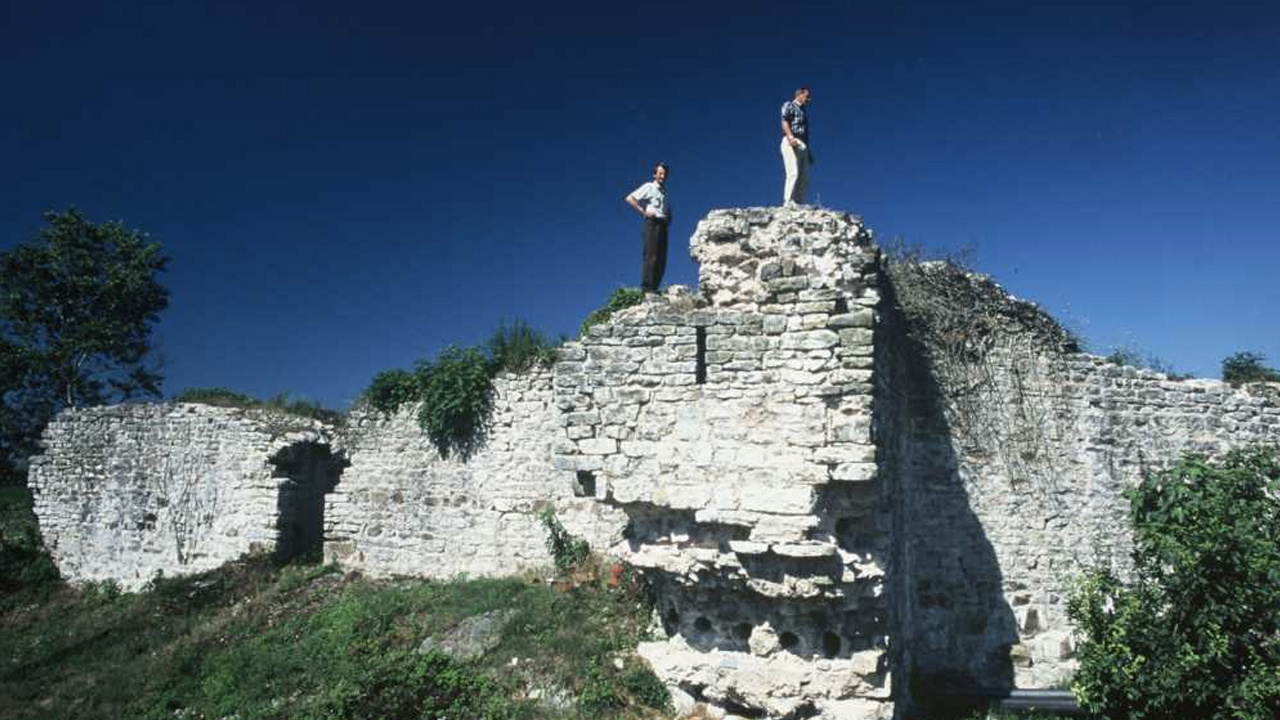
(129,492)
(401,509)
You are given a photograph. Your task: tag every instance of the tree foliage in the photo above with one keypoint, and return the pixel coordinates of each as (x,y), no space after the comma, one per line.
(1196,632)
(77,307)
(1247,367)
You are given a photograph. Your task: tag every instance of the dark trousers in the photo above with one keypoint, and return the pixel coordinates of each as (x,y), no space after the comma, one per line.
(655,253)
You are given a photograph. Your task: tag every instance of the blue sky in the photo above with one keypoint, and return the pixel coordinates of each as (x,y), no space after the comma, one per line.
(347,187)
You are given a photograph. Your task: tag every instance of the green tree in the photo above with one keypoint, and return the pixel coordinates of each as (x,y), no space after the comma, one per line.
(1195,633)
(77,307)
(1247,367)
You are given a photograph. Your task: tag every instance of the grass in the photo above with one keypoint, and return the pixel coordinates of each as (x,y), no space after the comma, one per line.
(254,640)
(284,402)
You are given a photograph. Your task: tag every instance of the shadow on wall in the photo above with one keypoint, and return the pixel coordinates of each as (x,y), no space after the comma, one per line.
(950,611)
(307,471)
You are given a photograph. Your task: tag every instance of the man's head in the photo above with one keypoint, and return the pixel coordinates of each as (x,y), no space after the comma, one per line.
(802,96)
(660,173)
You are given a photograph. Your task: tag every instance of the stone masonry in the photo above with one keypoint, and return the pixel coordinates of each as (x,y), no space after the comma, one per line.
(856,485)
(130,492)
(735,430)
(401,509)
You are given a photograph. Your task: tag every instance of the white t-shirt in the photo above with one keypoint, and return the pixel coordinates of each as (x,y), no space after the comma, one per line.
(652,198)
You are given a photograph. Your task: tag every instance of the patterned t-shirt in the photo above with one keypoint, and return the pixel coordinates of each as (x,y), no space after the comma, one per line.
(794,113)
(653,198)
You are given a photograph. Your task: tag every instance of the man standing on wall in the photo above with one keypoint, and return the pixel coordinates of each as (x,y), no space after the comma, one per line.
(796,158)
(650,200)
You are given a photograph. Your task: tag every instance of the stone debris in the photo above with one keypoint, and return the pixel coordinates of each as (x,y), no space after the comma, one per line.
(472,637)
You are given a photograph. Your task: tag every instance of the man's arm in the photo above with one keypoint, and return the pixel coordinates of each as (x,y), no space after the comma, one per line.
(631,200)
(786,126)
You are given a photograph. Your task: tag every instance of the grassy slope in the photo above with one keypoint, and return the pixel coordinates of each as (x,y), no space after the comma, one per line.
(253,640)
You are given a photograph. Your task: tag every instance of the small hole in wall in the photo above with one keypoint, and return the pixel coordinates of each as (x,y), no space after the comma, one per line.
(842,306)
(702,625)
(830,644)
(742,631)
(671,621)
(788,640)
(700,371)
(585,484)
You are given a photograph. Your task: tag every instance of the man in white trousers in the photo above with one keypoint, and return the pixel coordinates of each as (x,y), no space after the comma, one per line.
(796,157)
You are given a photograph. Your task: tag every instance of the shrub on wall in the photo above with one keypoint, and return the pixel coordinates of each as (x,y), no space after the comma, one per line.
(518,347)
(456,394)
(392,388)
(1247,367)
(1196,632)
(621,299)
(455,390)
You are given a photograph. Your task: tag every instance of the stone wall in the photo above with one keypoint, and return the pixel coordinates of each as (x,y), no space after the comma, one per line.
(734,429)
(856,485)
(402,509)
(129,492)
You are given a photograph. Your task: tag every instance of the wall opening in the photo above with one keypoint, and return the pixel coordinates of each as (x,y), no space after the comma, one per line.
(307,471)
(842,306)
(788,641)
(830,644)
(584,484)
(671,622)
(700,370)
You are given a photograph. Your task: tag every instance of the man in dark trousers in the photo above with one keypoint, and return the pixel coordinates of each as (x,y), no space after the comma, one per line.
(650,200)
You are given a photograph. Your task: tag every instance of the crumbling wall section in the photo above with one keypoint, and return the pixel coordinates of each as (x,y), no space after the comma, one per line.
(129,492)
(402,509)
(734,429)
(1021,450)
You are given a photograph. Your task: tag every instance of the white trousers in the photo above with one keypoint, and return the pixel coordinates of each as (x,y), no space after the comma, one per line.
(795,160)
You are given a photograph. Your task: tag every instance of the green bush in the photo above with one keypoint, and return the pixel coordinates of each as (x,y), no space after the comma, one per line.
(1196,632)
(456,388)
(24,564)
(518,347)
(457,394)
(567,550)
(1247,367)
(622,298)
(391,389)
(1133,356)
(645,687)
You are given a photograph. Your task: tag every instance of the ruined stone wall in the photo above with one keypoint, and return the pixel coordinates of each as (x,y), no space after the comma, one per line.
(854,484)
(129,492)
(734,429)
(1019,449)
(402,509)
(1045,460)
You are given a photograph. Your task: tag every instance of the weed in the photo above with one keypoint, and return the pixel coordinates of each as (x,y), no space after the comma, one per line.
(567,550)
(621,299)
(1247,367)
(284,402)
